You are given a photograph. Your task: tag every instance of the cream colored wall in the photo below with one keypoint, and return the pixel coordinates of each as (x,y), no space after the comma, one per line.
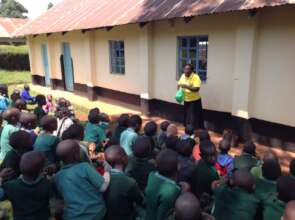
(274,78)
(131,81)
(36,61)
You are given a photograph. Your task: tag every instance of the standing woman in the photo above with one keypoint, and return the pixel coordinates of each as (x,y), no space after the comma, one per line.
(193,112)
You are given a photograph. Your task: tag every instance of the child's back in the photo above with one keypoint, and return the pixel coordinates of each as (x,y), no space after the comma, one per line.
(224,164)
(247,160)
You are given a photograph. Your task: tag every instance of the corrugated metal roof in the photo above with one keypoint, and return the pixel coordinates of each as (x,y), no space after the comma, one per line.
(85,14)
(9,25)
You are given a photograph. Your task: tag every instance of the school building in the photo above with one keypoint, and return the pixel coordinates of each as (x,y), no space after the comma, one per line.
(134,50)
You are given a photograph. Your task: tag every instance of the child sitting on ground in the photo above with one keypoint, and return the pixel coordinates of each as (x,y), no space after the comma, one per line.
(46,142)
(224,163)
(171,142)
(21,143)
(38,111)
(256,171)
(187,207)
(162,191)
(129,136)
(150,130)
(15,95)
(123,124)
(49,107)
(188,133)
(172,130)
(28,123)
(203,135)
(25,95)
(64,121)
(248,159)
(21,105)
(185,160)
(4,101)
(123,192)
(163,132)
(11,115)
(80,185)
(238,200)
(139,166)
(289,213)
(204,173)
(93,132)
(30,193)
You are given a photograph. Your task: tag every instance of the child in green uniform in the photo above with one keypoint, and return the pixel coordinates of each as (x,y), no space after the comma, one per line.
(123,193)
(139,166)
(274,205)
(123,123)
(162,191)
(21,143)
(289,213)
(12,117)
(30,193)
(204,173)
(237,201)
(150,130)
(248,159)
(46,142)
(80,185)
(38,111)
(93,132)
(256,171)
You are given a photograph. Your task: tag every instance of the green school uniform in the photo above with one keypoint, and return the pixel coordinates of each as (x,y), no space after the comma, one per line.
(94,133)
(47,143)
(30,200)
(257,171)
(264,188)
(122,195)
(234,204)
(4,142)
(273,208)
(245,161)
(127,139)
(40,113)
(79,185)
(139,169)
(203,175)
(161,194)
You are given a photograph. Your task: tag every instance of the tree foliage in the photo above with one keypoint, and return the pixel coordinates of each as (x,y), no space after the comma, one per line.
(50,5)
(12,9)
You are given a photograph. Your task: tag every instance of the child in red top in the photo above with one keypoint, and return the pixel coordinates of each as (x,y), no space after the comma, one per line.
(203,136)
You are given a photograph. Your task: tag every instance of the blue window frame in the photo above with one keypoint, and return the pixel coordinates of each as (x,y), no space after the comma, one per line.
(193,50)
(117,57)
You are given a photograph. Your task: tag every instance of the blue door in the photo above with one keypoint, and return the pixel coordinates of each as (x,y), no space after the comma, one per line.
(68,67)
(46,65)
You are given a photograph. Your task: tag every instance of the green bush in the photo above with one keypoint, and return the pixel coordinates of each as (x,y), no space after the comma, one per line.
(14,61)
(10,49)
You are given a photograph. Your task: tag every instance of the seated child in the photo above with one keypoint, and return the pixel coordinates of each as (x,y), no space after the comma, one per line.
(28,123)
(63,103)
(224,163)
(38,111)
(150,130)
(172,130)
(64,121)
(274,205)
(104,121)
(162,191)
(204,173)
(289,213)
(187,207)
(248,159)
(30,193)
(80,185)
(11,115)
(123,192)
(1,122)
(256,171)
(46,142)
(129,136)
(15,95)
(188,133)
(93,132)
(139,166)
(185,160)
(4,101)
(21,105)
(21,142)
(238,200)
(123,124)
(25,95)
(163,132)
(203,135)
(292,168)
(171,142)
(231,137)
(49,107)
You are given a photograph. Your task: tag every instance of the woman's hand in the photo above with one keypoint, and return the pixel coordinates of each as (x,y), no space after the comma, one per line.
(184,86)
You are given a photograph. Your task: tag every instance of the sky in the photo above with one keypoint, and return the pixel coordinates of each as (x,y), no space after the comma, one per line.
(36,7)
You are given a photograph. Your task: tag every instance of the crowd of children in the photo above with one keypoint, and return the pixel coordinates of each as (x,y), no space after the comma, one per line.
(53,167)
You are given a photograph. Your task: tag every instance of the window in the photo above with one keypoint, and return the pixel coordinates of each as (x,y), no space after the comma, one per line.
(193,50)
(117,57)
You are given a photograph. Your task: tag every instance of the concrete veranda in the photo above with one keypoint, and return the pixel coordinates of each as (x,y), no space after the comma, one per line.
(114,109)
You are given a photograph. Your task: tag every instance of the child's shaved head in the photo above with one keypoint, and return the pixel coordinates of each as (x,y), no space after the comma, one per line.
(271,170)
(28,120)
(208,152)
(31,164)
(21,140)
(289,213)
(187,207)
(12,115)
(203,135)
(115,155)
(224,146)
(172,130)
(68,151)
(49,123)
(167,163)
(243,179)
(142,147)
(285,188)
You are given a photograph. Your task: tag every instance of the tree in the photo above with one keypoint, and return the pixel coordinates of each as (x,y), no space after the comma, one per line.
(50,5)
(12,9)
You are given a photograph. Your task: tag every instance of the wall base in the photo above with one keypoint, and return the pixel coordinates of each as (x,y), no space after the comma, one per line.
(263,132)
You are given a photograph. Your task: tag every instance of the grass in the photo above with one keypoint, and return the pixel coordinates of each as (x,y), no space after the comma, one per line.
(13,49)
(14,77)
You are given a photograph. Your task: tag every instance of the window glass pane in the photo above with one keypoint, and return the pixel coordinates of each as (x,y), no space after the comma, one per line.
(183,42)
(203,64)
(192,54)
(183,53)
(193,42)
(121,45)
